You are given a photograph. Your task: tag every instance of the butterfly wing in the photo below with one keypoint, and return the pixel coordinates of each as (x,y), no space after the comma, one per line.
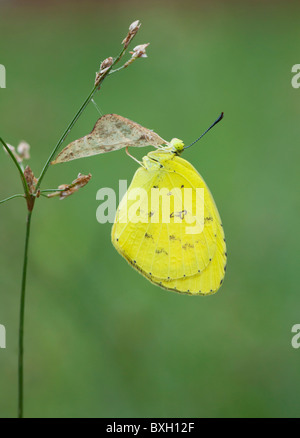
(111,132)
(164,252)
(210,279)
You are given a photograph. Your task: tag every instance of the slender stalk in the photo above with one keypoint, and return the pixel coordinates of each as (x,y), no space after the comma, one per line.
(12,197)
(21,322)
(117,69)
(24,182)
(117,59)
(77,115)
(66,132)
(30,197)
(52,190)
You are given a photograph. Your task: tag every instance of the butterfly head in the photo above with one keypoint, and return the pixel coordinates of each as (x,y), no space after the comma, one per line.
(177,145)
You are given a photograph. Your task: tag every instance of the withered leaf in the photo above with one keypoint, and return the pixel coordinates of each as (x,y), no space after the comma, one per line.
(111,132)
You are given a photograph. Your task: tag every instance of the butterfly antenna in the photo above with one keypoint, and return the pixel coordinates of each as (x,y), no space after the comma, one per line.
(217,121)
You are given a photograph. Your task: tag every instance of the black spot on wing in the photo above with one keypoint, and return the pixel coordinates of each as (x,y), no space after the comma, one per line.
(160,251)
(187,245)
(180,214)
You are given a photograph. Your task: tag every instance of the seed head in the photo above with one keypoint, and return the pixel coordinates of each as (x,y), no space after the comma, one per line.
(133,29)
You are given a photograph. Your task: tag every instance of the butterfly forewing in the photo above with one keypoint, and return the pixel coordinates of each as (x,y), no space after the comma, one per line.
(163,251)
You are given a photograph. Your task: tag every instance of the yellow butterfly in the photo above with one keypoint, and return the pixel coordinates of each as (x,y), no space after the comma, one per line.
(154,233)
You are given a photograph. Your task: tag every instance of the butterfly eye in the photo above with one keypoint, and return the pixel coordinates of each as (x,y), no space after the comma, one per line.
(177,144)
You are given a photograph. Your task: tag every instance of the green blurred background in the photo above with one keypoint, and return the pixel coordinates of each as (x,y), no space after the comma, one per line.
(102,341)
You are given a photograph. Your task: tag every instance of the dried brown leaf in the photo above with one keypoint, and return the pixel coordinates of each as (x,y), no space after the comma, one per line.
(111,132)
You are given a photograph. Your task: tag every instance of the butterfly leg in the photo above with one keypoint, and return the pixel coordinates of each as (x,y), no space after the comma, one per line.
(131,156)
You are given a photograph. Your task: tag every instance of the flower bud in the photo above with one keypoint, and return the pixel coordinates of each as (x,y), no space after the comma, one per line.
(23,150)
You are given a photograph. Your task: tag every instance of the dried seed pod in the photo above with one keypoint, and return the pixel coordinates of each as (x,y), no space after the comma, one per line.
(30,179)
(65,190)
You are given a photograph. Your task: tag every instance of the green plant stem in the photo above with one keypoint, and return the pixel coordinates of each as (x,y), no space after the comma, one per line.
(66,132)
(19,195)
(30,204)
(76,117)
(21,321)
(52,190)
(24,182)
(117,69)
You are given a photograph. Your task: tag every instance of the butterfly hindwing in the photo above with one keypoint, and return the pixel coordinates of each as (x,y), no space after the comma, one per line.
(164,252)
